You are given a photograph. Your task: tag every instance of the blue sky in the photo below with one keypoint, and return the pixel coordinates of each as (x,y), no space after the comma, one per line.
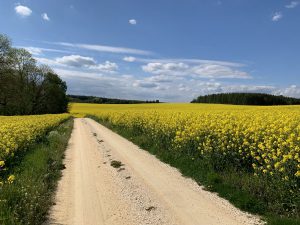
(172,50)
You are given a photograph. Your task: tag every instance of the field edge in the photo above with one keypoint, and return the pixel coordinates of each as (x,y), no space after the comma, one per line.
(206,177)
(28,199)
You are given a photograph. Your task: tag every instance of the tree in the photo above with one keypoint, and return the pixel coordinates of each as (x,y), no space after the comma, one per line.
(25,87)
(54,96)
(5,78)
(247,99)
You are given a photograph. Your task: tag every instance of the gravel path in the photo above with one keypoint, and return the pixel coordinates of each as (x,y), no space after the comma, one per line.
(142,190)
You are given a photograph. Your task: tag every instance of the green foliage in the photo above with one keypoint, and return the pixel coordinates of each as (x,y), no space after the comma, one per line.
(100,100)
(28,199)
(247,99)
(26,88)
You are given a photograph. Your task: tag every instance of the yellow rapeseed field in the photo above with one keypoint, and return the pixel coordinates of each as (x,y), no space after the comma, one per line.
(18,132)
(262,140)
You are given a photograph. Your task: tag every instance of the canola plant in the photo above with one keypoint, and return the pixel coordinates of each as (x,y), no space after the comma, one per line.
(17,133)
(262,140)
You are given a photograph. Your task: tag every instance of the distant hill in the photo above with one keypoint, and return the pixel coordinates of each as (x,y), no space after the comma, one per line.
(247,99)
(100,100)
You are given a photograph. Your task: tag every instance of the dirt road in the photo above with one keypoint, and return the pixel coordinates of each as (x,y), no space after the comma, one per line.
(141,191)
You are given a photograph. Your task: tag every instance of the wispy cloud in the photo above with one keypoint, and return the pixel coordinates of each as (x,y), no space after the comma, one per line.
(176,69)
(40,51)
(129,59)
(160,79)
(47,61)
(292,4)
(132,21)
(23,11)
(201,69)
(219,71)
(45,17)
(107,66)
(144,84)
(104,48)
(97,84)
(80,62)
(175,90)
(292,91)
(277,16)
(189,61)
(76,61)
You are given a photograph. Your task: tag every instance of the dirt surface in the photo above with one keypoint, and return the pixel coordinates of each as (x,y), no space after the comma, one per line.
(109,180)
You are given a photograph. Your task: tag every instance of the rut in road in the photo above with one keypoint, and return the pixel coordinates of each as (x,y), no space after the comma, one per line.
(138,189)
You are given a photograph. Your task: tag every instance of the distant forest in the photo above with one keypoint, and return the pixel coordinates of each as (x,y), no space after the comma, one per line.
(247,99)
(27,88)
(100,100)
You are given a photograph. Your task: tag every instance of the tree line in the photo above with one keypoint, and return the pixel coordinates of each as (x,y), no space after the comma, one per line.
(25,87)
(247,99)
(100,100)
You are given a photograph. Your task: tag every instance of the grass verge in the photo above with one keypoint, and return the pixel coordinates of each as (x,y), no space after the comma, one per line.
(252,194)
(28,199)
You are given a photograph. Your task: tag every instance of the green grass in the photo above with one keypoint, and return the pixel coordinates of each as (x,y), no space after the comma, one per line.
(247,192)
(28,199)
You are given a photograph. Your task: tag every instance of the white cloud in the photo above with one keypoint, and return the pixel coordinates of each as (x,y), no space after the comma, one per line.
(249,88)
(129,58)
(113,86)
(105,48)
(127,76)
(85,63)
(204,88)
(105,67)
(33,50)
(160,79)
(292,91)
(202,69)
(182,87)
(49,62)
(175,80)
(166,68)
(132,21)
(76,61)
(218,71)
(292,4)
(90,82)
(45,17)
(144,84)
(277,16)
(189,61)
(39,51)
(23,11)
(75,73)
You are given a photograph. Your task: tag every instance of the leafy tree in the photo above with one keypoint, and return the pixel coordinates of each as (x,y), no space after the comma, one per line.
(25,87)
